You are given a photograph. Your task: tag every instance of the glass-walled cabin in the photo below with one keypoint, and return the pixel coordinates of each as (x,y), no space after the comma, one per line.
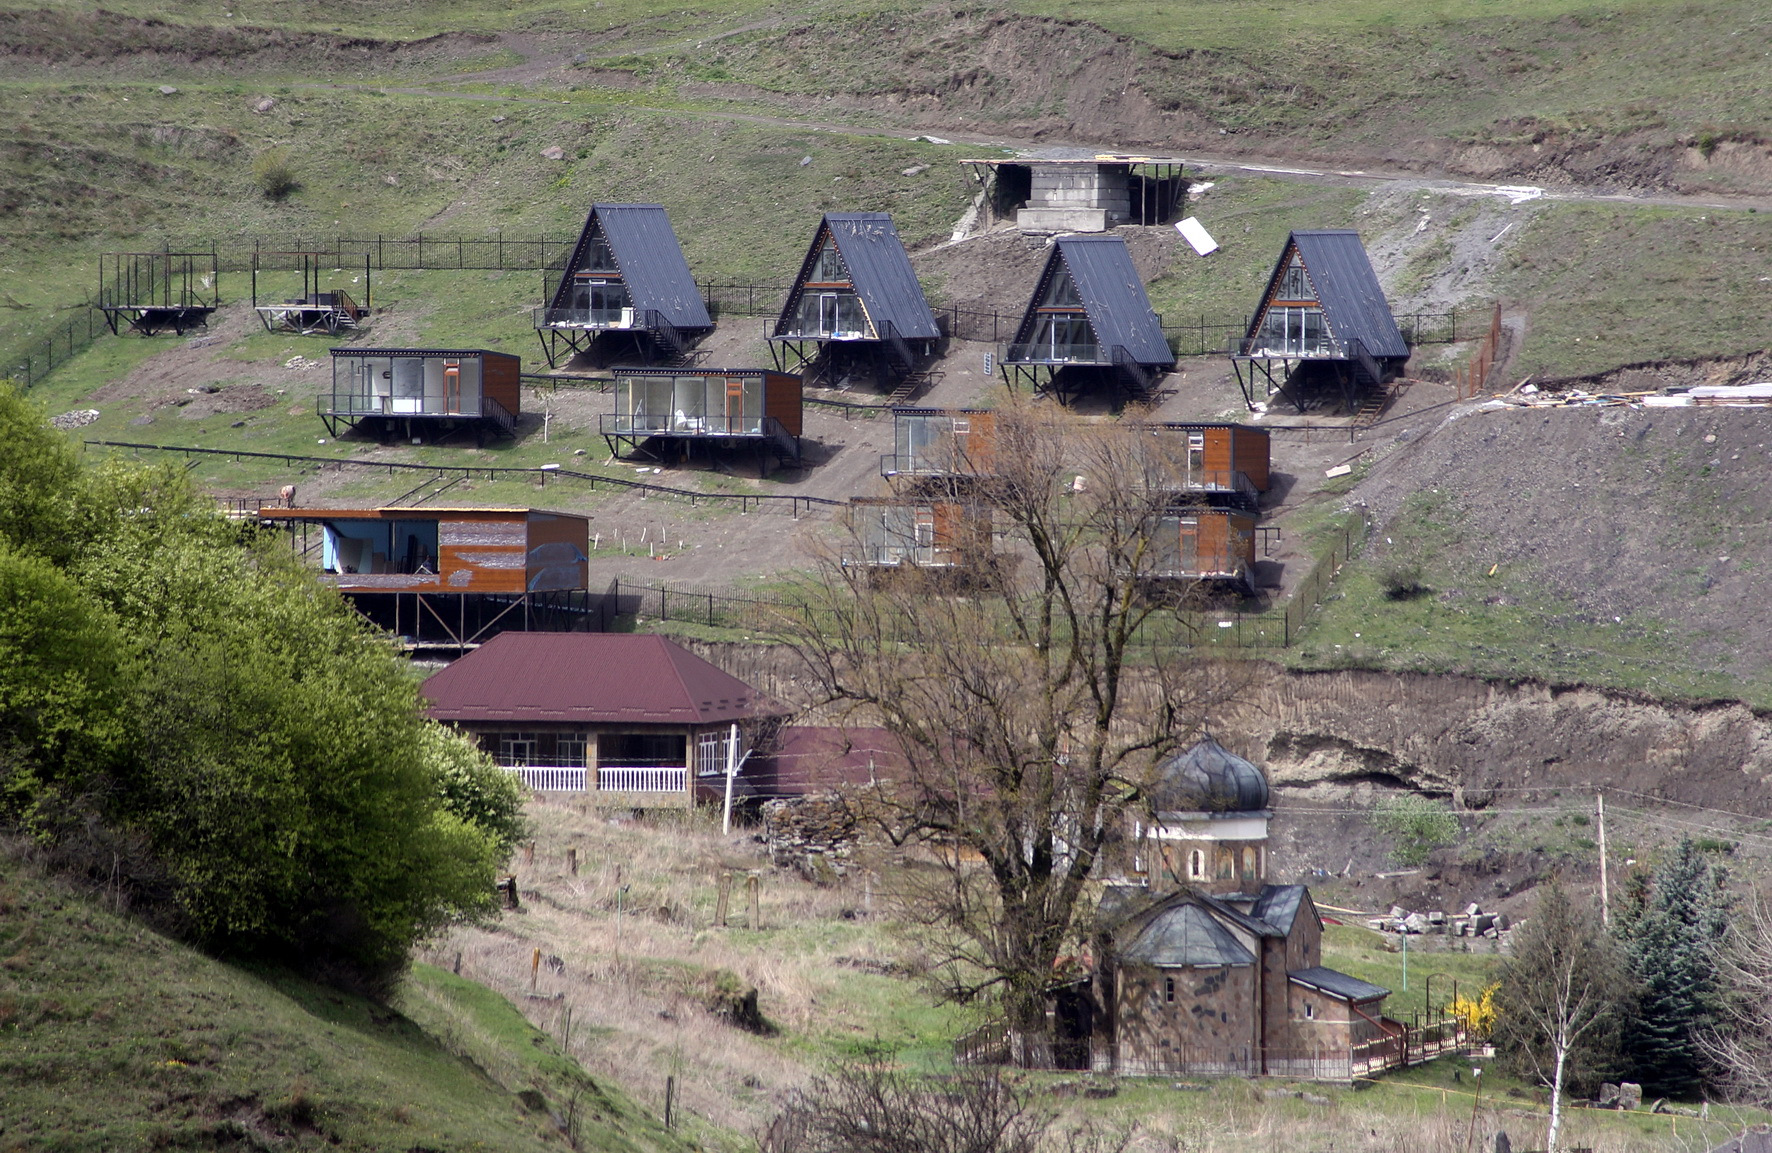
(1207,545)
(939,444)
(829,308)
(938,535)
(1060,332)
(407,384)
(1293,323)
(703,405)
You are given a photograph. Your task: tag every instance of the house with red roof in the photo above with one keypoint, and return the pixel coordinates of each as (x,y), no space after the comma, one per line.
(632,720)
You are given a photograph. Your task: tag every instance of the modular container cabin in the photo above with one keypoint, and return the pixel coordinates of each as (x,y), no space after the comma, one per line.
(1207,544)
(1222,462)
(1322,324)
(422,392)
(456,574)
(659,411)
(856,304)
(893,533)
(1090,194)
(941,444)
(1088,322)
(626,278)
(627,720)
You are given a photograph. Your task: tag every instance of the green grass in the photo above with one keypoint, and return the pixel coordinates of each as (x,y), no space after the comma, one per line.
(1506,624)
(1609,286)
(112,1036)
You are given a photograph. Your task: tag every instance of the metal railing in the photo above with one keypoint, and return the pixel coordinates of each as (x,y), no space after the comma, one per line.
(1045,352)
(922,464)
(1213,480)
(551,778)
(360,404)
(678,424)
(641,779)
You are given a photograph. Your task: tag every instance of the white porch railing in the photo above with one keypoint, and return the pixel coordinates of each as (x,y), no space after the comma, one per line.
(549,779)
(641,780)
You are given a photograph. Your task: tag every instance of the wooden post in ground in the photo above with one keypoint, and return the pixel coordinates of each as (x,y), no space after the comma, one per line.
(670,1100)
(720,901)
(572,861)
(534,968)
(752,886)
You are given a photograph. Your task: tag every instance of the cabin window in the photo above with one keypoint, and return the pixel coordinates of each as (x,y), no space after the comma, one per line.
(517,748)
(1293,331)
(833,314)
(599,257)
(1196,865)
(711,751)
(1169,989)
(569,750)
(642,750)
(1249,864)
(828,268)
(1063,292)
(1063,336)
(1310,1010)
(603,302)
(1196,453)
(1294,285)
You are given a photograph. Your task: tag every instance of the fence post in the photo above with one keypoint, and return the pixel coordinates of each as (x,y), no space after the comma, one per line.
(710,610)
(752,887)
(664,612)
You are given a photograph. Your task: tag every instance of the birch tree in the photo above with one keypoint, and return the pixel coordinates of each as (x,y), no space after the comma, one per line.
(1562,999)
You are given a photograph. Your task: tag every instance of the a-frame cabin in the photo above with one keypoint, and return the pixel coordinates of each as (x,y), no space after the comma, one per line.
(856,304)
(1323,325)
(626,281)
(1088,322)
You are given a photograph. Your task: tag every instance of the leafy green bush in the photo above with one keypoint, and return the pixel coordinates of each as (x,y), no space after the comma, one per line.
(188,694)
(1417,825)
(274,173)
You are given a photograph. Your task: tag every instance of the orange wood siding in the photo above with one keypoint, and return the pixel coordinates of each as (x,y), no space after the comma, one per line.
(981,442)
(500,375)
(1250,455)
(1219,454)
(782,400)
(483,553)
(557,549)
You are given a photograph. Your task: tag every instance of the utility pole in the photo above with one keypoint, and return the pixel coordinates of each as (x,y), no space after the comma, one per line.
(1605,889)
(731,772)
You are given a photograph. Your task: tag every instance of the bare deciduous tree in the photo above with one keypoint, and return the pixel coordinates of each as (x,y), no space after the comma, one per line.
(871,1106)
(1034,710)
(1741,1047)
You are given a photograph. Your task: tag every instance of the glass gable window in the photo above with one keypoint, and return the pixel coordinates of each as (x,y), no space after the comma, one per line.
(1294,284)
(600,301)
(599,257)
(829,267)
(1062,293)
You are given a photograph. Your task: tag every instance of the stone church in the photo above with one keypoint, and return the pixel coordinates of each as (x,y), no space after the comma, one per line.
(1200,966)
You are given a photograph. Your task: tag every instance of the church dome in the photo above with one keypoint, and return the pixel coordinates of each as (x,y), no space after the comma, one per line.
(1208,778)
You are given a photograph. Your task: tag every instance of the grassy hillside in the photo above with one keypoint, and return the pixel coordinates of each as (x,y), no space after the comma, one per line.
(114,1037)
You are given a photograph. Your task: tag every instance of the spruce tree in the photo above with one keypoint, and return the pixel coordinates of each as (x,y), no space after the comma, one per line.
(1672,925)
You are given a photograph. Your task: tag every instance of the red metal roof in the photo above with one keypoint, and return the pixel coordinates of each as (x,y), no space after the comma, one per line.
(591,678)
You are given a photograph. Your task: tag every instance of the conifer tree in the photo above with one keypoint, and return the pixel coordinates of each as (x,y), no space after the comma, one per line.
(1672,925)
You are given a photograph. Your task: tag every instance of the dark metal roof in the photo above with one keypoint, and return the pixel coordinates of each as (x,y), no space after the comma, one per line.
(1353,301)
(1119,310)
(357,350)
(651,261)
(1208,778)
(1338,984)
(590,678)
(879,268)
(1278,905)
(1185,934)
